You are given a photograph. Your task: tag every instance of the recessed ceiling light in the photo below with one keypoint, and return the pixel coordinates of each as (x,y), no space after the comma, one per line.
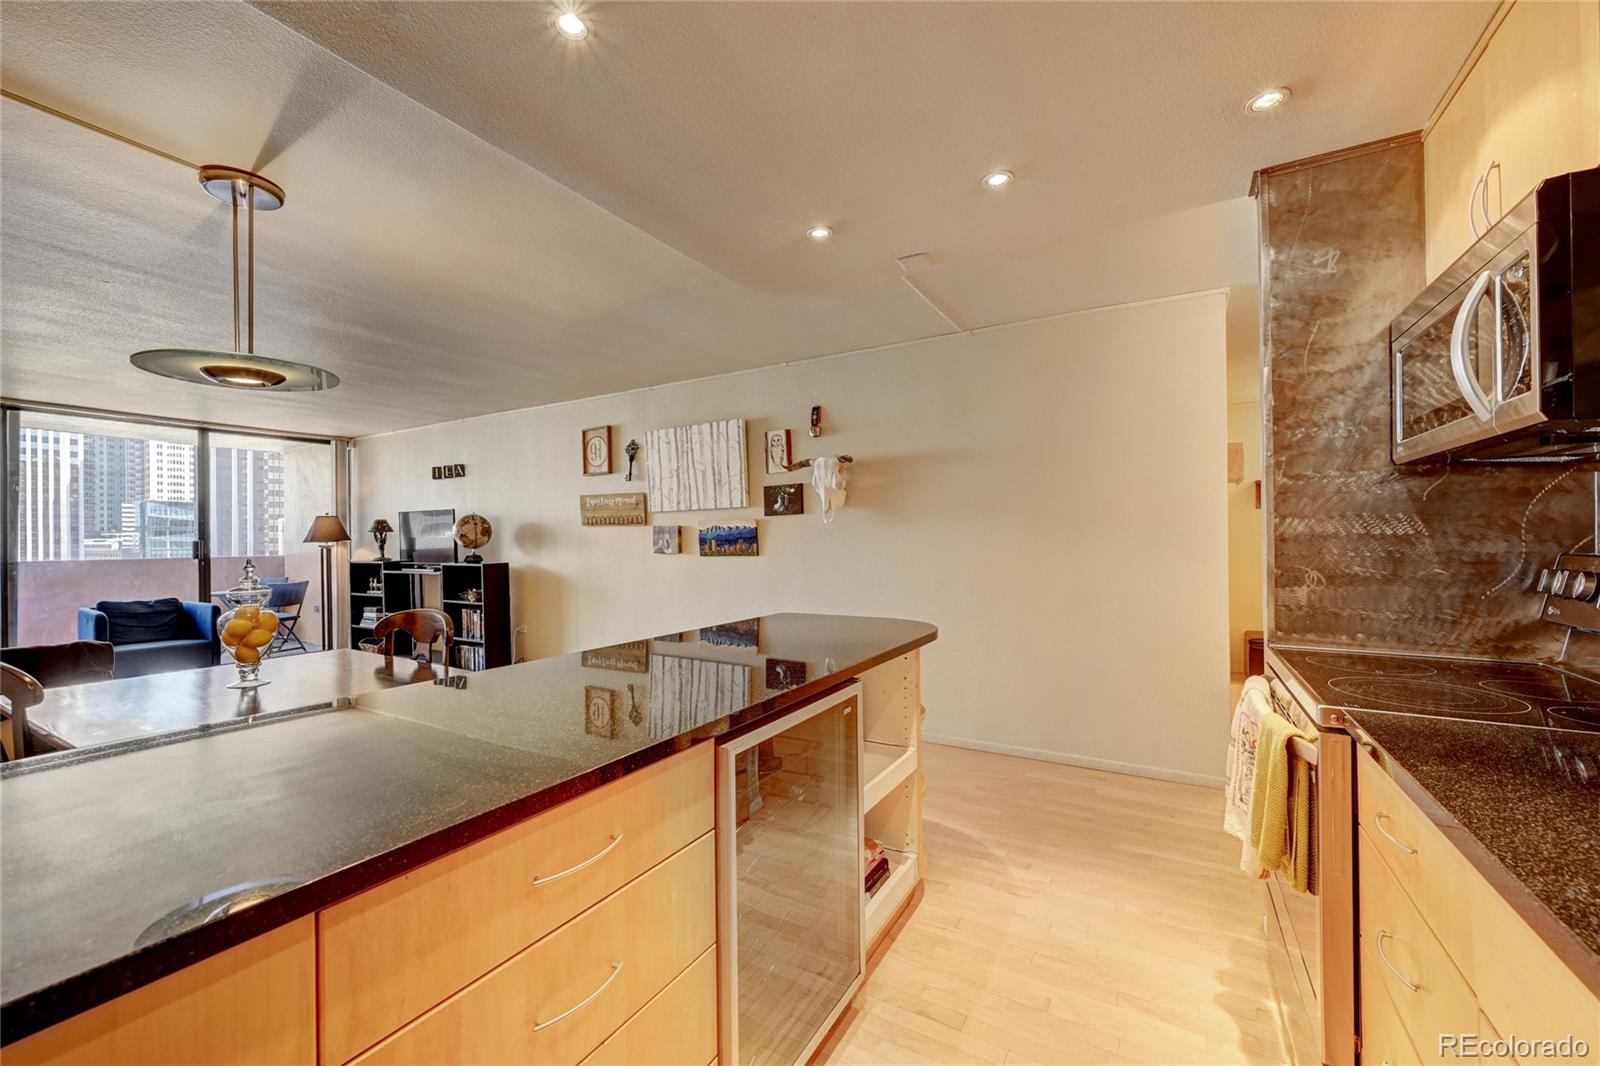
(998,179)
(1268,100)
(571,26)
(819,233)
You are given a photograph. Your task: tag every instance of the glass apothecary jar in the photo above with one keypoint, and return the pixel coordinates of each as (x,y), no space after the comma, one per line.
(248,629)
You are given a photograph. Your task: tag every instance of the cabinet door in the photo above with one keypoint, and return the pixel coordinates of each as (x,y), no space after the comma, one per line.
(252,1004)
(789,851)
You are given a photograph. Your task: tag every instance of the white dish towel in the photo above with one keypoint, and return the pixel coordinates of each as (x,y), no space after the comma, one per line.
(1243,739)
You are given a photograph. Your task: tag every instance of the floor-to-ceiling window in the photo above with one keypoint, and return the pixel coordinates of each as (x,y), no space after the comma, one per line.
(106,509)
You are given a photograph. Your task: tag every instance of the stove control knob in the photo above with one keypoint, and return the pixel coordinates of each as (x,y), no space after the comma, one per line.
(1583,585)
(1546,578)
(1558,582)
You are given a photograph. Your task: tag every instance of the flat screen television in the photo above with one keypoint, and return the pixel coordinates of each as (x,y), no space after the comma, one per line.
(428,536)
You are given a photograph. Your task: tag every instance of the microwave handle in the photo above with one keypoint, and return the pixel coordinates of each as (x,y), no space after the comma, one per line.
(1466,380)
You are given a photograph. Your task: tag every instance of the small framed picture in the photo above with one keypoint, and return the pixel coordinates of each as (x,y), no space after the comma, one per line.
(664,540)
(597,451)
(778,451)
(783,499)
(599,711)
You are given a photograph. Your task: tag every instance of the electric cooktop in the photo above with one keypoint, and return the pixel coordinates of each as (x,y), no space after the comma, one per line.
(1514,693)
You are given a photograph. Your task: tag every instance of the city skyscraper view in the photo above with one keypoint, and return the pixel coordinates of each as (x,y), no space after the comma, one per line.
(107,496)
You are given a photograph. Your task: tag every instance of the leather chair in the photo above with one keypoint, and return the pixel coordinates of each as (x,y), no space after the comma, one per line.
(424,626)
(155,636)
(76,662)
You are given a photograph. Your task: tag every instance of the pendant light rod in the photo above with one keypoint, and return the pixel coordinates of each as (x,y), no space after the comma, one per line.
(234,211)
(250,295)
(101,130)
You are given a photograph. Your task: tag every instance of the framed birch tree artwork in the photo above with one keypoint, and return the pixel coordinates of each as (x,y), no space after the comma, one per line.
(702,467)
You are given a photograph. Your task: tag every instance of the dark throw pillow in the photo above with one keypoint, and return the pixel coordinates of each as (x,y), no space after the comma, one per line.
(141,621)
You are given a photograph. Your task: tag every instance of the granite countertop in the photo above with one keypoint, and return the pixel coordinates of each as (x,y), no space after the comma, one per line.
(110,861)
(1504,757)
(1522,803)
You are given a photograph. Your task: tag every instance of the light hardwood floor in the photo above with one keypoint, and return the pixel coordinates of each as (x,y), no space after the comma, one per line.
(1068,915)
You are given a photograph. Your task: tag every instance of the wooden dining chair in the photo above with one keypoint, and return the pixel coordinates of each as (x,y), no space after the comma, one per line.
(21,691)
(424,626)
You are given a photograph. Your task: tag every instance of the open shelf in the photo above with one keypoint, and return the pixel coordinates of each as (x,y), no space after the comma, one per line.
(883,766)
(885,903)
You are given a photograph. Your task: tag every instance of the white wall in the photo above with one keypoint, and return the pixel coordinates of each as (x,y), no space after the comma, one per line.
(1247,561)
(1048,494)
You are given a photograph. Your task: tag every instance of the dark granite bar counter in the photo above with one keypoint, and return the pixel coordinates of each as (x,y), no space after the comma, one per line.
(1522,803)
(111,864)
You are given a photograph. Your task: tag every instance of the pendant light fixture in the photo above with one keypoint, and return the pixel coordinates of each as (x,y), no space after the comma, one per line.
(240,368)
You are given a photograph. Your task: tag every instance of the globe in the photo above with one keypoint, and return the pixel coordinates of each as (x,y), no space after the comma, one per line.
(473,532)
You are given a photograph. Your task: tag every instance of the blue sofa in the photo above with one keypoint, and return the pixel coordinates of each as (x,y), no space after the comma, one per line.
(154,636)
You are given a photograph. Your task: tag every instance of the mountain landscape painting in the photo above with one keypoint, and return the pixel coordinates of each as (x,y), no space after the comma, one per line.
(732,538)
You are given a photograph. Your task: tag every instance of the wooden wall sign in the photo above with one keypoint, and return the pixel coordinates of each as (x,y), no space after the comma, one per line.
(632,657)
(612,509)
(597,451)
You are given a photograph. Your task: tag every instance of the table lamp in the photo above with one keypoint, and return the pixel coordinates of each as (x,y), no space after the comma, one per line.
(380,532)
(326,530)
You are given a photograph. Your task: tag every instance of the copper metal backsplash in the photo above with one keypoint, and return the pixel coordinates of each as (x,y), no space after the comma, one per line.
(1362,553)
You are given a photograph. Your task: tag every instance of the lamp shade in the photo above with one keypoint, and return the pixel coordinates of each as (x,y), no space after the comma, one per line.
(381,525)
(326,529)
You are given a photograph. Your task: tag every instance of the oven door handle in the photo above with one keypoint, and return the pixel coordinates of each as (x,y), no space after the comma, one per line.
(1466,379)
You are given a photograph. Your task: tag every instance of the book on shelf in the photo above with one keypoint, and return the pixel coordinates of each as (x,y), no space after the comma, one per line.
(471,623)
(469,657)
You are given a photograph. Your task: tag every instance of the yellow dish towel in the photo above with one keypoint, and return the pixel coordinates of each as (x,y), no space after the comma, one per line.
(1283,806)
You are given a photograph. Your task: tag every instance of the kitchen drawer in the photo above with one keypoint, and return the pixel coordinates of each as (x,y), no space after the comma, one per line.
(558,1000)
(393,951)
(678,1026)
(1384,1040)
(1407,841)
(1411,966)
(1520,983)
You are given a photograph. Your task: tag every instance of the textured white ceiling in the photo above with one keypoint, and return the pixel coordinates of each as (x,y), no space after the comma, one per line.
(482,215)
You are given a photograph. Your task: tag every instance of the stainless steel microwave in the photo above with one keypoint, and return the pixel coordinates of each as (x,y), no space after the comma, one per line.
(1499,358)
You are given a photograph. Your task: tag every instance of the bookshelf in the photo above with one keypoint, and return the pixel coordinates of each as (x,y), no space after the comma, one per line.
(394,593)
(482,627)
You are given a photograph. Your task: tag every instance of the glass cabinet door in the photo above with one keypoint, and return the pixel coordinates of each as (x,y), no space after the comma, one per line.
(790,794)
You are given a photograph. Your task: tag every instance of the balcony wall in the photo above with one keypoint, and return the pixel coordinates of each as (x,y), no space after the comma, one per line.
(50,593)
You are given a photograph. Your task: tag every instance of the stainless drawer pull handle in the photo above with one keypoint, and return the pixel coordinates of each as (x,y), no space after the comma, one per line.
(1377,820)
(616,839)
(616,968)
(1384,934)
